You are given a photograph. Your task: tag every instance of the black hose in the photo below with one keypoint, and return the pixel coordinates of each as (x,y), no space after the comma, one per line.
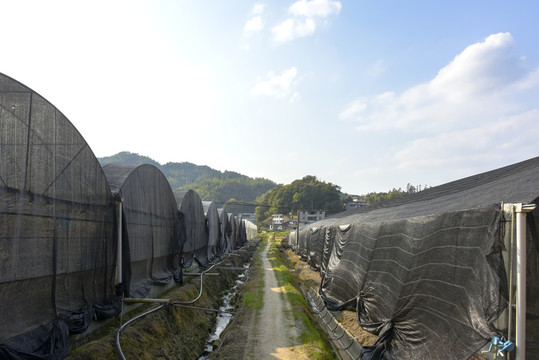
(175,303)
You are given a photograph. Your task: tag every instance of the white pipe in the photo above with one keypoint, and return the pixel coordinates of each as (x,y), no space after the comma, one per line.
(510,254)
(119,243)
(520,331)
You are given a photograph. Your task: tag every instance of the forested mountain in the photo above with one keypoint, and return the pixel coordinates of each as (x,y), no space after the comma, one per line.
(127,158)
(210,184)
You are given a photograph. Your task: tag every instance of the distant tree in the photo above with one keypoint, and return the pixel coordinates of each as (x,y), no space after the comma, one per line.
(383,197)
(128,158)
(307,193)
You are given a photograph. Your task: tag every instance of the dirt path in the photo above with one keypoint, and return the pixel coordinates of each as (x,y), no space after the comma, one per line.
(268,333)
(274,334)
(271,332)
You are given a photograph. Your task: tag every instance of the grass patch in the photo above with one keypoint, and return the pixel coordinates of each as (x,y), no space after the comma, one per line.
(254,299)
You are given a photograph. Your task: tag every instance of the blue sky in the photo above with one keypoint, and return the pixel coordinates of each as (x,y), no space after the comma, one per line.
(368,95)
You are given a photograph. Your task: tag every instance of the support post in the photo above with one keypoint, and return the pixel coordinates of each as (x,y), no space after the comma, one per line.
(119,274)
(520,331)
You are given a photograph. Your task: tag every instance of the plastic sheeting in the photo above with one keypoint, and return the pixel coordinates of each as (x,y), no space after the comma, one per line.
(57,250)
(196,242)
(213,229)
(151,241)
(251,230)
(293,240)
(427,274)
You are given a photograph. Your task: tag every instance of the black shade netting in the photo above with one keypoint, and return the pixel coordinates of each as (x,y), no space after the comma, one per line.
(151,227)
(196,242)
(226,230)
(427,274)
(57,252)
(242,234)
(213,229)
(233,239)
(315,241)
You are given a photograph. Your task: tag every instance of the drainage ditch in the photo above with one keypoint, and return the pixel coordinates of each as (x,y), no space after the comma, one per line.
(225,314)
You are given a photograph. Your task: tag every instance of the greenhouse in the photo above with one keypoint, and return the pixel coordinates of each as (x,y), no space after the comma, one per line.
(150,233)
(434,273)
(214,230)
(57,242)
(195,246)
(232,240)
(226,230)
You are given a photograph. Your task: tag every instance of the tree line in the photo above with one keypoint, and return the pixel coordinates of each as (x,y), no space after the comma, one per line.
(307,193)
(238,193)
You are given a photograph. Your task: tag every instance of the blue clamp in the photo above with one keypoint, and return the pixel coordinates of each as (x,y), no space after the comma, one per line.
(501,345)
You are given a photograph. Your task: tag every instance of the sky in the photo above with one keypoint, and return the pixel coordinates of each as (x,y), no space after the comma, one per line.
(368,95)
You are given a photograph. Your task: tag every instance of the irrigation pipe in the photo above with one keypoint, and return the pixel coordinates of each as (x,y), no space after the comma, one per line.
(178,303)
(175,303)
(205,309)
(129,322)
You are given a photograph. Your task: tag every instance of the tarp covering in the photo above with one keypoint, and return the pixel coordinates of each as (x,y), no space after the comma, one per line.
(57,252)
(233,232)
(150,235)
(318,243)
(427,274)
(213,229)
(226,230)
(242,236)
(196,242)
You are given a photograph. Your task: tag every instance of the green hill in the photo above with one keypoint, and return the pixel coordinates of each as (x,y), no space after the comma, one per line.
(210,184)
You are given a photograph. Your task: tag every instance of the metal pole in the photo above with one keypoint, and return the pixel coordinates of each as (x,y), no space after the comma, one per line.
(520,331)
(119,274)
(510,260)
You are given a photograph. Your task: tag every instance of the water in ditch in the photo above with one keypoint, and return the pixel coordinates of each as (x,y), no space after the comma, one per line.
(225,315)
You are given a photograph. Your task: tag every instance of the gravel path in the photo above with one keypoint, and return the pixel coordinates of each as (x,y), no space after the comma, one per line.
(273,334)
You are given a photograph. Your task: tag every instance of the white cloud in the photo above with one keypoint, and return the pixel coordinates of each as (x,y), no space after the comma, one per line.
(291,29)
(478,109)
(315,8)
(253,25)
(303,22)
(478,85)
(474,146)
(481,69)
(353,109)
(277,85)
(258,9)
